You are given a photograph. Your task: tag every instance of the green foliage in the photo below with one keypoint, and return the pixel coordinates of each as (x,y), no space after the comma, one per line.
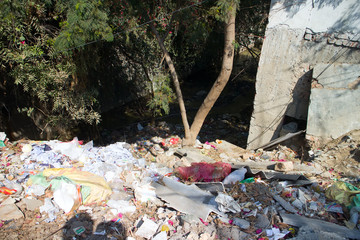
(58,56)
(49,80)
(27,110)
(236,45)
(251,23)
(163,95)
(85,22)
(223,7)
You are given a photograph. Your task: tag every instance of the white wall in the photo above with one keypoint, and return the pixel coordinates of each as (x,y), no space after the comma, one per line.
(287,58)
(318,15)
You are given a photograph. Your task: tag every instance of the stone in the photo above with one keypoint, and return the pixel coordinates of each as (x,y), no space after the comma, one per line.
(318,37)
(331,40)
(291,127)
(225,232)
(338,42)
(32,204)
(192,236)
(308,36)
(287,206)
(187,227)
(354,44)
(262,221)
(340,111)
(326,174)
(147,229)
(241,223)
(346,42)
(342,36)
(160,236)
(7,201)
(284,166)
(223,156)
(313,206)
(206,236)
(309,31)
(307,233)
(354,85)
(9,212)
(298,204)
(231,150)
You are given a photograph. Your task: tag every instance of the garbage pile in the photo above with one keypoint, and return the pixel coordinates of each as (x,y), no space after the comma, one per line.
(155,189)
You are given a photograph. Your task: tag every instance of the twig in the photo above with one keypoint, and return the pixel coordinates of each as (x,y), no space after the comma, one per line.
(53,233)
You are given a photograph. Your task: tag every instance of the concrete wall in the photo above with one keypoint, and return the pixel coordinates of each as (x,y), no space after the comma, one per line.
(335,101)
(299,36)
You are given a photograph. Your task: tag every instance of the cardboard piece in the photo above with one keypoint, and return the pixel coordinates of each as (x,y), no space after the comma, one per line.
(188,199)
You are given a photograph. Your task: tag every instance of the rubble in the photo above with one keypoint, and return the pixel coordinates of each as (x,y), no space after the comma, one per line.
(73,190)
(285,166)
(318,225)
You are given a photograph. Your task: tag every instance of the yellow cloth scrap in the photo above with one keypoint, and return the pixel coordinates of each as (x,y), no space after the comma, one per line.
(100,190)
(342,193)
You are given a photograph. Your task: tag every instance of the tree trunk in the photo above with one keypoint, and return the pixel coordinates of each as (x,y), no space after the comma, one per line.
(221,81)
(175,80)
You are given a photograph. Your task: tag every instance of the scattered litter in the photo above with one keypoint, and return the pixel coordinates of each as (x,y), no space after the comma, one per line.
(2,136)
(79,230)
(275,233)
(334,207)
(50,209)
(154,189)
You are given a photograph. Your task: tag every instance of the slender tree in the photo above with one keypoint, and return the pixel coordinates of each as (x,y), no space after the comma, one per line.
(228,10)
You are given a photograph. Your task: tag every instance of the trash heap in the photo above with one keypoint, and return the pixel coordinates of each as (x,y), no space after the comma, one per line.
(155,189)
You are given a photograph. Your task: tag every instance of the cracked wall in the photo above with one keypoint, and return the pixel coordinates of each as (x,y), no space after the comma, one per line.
(299,37)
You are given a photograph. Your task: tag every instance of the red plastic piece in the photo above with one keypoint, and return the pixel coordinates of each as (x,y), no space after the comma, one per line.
(204,172)
(7,191)
(174,141)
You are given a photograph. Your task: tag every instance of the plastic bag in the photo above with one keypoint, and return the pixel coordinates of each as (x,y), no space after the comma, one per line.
(7,191)
(74,149)
(121,206)
(235,176)
(204,172)
(227,203)
(145,193)
(66,197)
